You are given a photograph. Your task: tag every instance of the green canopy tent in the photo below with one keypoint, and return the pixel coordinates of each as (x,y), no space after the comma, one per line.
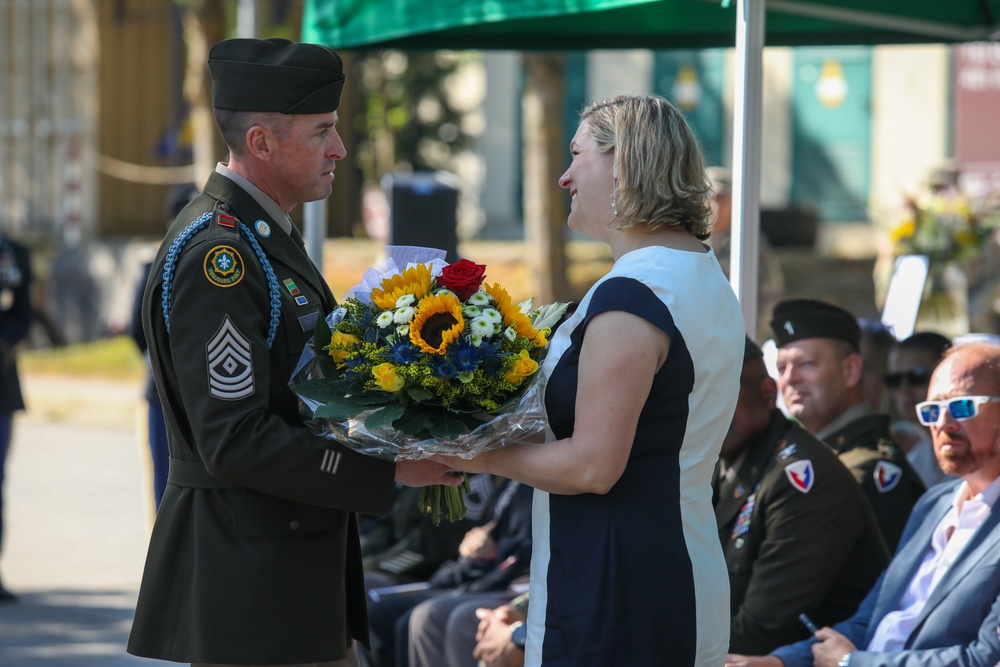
(662,24)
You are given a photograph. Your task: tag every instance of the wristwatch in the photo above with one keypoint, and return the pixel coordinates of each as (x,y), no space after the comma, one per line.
(519,634)
(846,660)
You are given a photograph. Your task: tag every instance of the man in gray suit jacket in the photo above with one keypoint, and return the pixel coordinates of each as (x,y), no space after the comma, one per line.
(938,602)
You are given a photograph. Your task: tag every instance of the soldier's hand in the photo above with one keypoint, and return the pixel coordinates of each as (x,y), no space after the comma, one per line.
(425,473)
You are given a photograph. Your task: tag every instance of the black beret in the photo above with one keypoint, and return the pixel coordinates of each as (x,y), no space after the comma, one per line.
(796,319)
(275,75)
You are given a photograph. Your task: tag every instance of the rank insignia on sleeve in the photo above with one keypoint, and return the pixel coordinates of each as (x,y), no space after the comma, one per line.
(224,266)
(230,363)
(887,476)
(331,461)
(800,474)
(786,450)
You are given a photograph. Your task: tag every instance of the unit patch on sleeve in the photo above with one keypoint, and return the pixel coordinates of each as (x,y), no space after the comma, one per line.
(230,364)
(887,476)
(800,474)
(224,266)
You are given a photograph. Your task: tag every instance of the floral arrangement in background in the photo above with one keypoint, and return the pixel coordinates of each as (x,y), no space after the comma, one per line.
(944,226)
(417,359)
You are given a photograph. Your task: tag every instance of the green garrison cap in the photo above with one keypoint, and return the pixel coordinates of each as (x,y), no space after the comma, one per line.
(275,75)
(796,319)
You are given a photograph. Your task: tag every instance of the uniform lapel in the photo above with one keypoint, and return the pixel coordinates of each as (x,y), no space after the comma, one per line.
(733,493)
(984,542)
(906,561)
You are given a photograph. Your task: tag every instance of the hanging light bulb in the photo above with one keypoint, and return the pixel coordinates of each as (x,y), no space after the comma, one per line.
(831,87)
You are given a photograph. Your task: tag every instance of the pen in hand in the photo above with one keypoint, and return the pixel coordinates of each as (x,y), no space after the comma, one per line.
(806,621)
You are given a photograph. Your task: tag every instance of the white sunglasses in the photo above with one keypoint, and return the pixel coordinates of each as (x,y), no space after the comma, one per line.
(962,408)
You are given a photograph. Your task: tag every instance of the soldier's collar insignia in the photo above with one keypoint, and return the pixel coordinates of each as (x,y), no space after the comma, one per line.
(263,229)
(801,475)
(223,266)
(887,476)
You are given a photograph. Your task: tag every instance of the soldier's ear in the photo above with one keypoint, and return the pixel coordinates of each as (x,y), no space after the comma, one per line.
(258,142)
(851,368)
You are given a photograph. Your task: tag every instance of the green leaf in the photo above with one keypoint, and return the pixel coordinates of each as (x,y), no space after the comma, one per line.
(342,407)
(321,335)
(384,417)
(413,420)
(318,390)
(419,394)
(448,425)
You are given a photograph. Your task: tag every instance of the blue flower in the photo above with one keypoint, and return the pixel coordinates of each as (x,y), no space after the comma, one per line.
(444,369)
(403,352)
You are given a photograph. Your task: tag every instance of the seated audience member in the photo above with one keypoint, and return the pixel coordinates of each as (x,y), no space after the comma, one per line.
(819,375)
(489,559)
(447,631)
(798,533)
(938,602)
(911,362)
(405,546)
(875,343)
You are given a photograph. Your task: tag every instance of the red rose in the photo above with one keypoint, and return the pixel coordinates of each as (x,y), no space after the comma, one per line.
(463,278)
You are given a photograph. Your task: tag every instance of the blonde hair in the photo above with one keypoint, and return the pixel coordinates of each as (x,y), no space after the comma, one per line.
(661,180)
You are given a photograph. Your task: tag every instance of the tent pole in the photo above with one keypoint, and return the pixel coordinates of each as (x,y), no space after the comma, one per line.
(746,157)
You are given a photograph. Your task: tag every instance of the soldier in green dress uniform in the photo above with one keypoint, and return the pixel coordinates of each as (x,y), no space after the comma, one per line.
(820,367)
(798,533)
(254,556)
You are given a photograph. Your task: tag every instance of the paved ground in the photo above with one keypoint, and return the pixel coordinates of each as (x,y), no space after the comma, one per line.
(76,522)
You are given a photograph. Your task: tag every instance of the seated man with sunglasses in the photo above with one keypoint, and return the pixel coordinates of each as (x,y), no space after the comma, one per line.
(938,602)
(910,364)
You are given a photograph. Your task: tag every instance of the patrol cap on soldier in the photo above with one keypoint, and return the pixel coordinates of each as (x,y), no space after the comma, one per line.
(797,319)
(275,75)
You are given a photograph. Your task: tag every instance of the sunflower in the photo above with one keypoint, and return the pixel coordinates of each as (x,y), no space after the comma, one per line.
(437,323)
(513,316)
(415,280)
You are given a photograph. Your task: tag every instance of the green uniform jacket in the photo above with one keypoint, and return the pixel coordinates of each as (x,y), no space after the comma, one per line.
(254,556)
(798,536)
(887,478)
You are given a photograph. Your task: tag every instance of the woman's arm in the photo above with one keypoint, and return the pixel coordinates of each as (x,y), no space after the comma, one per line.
(620,355)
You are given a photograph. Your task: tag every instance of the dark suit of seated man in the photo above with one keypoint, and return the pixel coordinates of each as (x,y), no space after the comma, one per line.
(938,602)
(797,530)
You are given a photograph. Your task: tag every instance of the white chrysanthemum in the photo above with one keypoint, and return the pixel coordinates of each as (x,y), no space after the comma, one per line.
(465,377)
(405,300)
(404,314)
(481,327)
(471,312)
(493,315)
(476,340)
(444,291)
(510,333)
(336,317)
(480,298)
(403,330)
(384,319)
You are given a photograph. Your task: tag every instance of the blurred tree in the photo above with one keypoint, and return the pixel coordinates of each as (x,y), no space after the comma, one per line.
(411,121)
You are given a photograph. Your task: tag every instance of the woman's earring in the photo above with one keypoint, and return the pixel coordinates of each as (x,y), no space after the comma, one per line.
(614,206)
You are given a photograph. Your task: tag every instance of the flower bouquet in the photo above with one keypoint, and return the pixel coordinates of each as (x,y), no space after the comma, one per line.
(423,358)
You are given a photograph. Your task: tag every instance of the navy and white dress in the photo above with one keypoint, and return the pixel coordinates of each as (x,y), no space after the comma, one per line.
(637,576)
